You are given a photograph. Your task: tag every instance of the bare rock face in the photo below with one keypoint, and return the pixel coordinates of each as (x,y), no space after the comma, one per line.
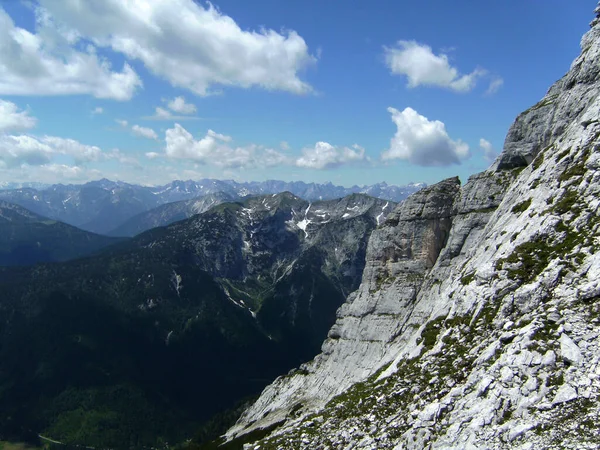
(477,322)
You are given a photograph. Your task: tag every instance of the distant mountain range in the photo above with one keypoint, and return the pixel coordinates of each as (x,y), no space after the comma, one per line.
(104,206)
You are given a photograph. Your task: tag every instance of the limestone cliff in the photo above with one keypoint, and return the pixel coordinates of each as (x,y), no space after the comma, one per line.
(478,318)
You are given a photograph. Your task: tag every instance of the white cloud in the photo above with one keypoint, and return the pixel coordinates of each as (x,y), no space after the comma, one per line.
(424,68)
(192,46)
(283,145)
(494,86)
(11,119)
(423,142)
(144,132)
(138,130)
(17,150)
(179,105)
(488,151)
(325,156)
(50,173)
(81,153)
(25,149)
(47,63)
(123,158)
(97,110)
(152,155)
(163,114)
(64,171)
(216,149)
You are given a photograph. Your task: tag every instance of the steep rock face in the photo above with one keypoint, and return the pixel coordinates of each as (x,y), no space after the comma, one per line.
(499,347)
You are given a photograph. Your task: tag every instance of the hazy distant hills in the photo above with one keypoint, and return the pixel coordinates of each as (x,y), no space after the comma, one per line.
(103,206)
(27,238)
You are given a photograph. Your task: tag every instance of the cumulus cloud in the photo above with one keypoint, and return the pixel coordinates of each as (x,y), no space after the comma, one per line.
(144,132)
(494,86)
(64,170)
(11,119)
(488,151)
(164,114)
(217,149)
(325,156)
(152,155)
(81,153)
(423,142)
(424,68)
(49,173)
(138,130)
(97,110)
(17,150)
(179,105)
(47,62)
(192,46)
(123,158)
(25,149)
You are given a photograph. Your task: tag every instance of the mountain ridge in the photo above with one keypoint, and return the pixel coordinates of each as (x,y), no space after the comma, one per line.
(102,206)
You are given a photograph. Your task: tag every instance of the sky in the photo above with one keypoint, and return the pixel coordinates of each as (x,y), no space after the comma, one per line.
(352,92)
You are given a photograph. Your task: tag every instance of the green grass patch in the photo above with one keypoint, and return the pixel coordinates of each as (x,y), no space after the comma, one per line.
(468,278)
(520,207)
(539,159)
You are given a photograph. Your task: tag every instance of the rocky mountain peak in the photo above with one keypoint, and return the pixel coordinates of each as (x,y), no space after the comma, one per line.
(566,104)
(597,19)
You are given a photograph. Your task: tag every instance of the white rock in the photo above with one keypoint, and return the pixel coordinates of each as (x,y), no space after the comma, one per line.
(569,350)
(518,430)
(506,374)
(549,358)
(565,393)
(430,412)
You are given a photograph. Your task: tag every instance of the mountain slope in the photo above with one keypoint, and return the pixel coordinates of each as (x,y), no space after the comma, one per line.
(149,339)
(170,212)
(476,323)
(26,238)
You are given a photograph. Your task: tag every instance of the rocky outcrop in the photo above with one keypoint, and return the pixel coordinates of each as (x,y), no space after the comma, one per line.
(476,324)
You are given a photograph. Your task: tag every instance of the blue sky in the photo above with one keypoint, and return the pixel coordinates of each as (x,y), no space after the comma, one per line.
(351,92)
